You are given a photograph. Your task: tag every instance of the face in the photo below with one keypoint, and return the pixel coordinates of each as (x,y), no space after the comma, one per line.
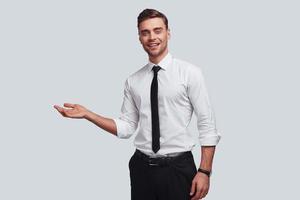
(154,37)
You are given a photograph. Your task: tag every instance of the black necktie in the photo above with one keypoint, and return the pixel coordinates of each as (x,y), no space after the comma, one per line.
(154,111)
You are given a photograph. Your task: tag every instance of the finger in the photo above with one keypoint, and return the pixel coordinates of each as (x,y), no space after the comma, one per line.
(60,110)
(202,194)
(198,194)
(69,105)
(193,188)
(205,193)
(194,197)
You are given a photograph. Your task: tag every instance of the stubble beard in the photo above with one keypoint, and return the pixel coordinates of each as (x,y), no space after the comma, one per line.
(154,55)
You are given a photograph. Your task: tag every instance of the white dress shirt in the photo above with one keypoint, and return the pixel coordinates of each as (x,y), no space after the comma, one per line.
(181,90)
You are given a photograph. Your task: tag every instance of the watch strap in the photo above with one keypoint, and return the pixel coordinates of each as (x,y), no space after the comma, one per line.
(208,173)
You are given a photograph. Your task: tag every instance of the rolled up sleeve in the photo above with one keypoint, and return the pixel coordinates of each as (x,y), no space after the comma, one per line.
(198,95)
(128,120)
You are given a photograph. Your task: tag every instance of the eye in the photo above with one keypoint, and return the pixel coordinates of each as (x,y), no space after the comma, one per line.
(144,33)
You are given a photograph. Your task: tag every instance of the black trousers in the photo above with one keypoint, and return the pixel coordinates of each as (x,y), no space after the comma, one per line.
(161,179)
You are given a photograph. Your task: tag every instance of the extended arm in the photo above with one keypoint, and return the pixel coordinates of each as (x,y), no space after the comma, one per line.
(122,127)
(105,123)
(78,111)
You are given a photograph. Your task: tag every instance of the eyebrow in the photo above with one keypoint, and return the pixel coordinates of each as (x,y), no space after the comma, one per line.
(159,28)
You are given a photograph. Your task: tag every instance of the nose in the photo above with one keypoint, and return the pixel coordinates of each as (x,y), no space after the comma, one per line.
(152,36)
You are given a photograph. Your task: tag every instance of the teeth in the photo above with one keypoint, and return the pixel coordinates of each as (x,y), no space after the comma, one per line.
(152,45)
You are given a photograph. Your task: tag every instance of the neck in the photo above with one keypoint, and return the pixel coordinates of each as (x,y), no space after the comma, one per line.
(158,58)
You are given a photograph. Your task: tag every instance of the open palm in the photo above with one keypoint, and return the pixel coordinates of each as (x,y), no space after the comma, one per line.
(74,111)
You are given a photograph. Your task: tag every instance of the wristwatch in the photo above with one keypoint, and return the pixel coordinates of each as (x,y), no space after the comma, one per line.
(208,173)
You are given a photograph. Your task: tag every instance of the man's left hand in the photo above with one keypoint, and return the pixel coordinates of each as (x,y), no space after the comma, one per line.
(200,186)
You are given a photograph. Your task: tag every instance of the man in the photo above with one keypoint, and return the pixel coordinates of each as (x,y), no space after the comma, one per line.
(158,103)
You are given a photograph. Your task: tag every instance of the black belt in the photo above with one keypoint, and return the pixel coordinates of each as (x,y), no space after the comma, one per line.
(161,161)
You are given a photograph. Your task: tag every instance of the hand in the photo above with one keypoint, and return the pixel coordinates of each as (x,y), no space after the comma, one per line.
(76,111)
(200,185)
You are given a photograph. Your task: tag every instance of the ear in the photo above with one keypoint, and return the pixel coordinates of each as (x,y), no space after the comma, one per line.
(169,34)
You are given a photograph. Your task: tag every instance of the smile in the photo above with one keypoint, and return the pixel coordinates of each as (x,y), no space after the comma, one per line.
(153,45)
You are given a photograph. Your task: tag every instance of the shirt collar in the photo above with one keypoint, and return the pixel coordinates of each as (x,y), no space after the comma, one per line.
(164,63)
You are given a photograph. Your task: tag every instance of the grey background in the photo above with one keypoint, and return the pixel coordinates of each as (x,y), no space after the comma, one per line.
(52,52)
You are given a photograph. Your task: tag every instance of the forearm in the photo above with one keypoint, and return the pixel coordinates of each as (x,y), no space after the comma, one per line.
(207,155)
(105,123)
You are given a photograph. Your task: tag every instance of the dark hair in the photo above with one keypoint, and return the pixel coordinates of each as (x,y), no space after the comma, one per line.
(151,13)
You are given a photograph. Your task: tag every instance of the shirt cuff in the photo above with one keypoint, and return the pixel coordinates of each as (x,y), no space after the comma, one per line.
(121,126)
(211,140)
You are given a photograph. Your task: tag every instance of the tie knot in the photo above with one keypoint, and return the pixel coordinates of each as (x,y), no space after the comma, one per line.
(156,68)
